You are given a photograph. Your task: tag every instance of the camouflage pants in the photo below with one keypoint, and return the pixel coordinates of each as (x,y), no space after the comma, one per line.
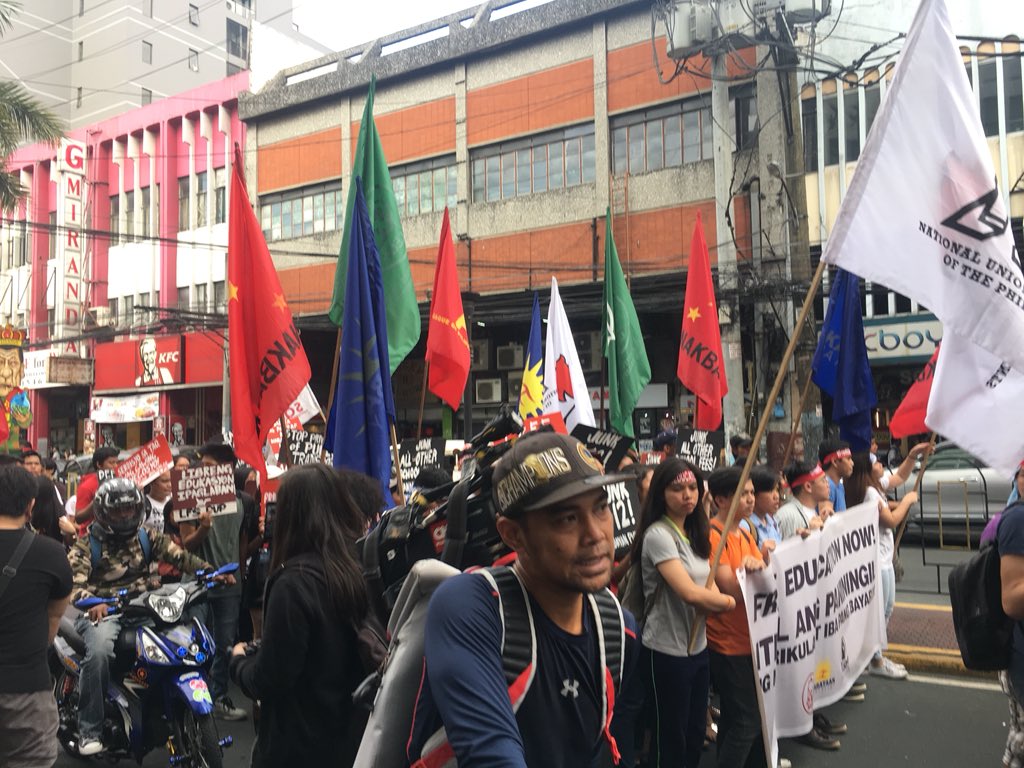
(1013,757)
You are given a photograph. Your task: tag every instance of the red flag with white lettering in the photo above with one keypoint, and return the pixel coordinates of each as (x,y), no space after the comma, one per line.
(700,341)
(269,367)
(909,417)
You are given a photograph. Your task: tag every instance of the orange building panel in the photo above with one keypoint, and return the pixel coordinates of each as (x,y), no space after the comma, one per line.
(303,160)
(633,81)
(555,97)
(416,132)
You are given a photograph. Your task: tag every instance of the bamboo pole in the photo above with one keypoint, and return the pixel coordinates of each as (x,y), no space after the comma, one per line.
(917,489)
(762,426)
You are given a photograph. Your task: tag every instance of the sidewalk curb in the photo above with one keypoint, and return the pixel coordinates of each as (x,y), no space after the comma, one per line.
(936,661)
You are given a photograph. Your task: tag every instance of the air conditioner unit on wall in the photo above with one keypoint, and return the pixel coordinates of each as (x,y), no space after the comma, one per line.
(481,355)
(488,391)
(509,357)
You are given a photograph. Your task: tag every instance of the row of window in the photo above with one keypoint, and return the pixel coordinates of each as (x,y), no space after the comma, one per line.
(663,138)
(988,98)
(194,299)
(302,212)
(425,187)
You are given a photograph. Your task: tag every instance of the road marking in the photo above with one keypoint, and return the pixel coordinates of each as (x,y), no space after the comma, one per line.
(950,682)
(925,607)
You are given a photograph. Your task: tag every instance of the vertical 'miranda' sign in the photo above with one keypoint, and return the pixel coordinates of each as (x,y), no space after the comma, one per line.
(70,244)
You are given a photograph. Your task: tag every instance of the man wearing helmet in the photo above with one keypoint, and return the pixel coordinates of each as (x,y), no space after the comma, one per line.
(120,561)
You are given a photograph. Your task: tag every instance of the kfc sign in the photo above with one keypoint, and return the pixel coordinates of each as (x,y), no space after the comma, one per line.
(158,361)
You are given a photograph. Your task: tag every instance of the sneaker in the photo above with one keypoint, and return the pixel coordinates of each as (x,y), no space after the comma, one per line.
(859,688)
(88,747)
(225,709)
(888,669)
(851,696)
(784,763)
(819,740)
(826,726)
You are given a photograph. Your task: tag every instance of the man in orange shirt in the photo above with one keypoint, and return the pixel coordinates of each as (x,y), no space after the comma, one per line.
(732,669)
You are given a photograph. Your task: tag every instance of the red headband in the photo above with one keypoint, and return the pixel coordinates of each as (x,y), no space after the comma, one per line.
(686,476)
(842,453)
(810,477)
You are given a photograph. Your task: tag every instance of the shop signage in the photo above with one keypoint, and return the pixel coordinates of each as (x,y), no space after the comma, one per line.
(119,410)
(74,371)
(913,340)
(71,189)
(33,374)
(155,362)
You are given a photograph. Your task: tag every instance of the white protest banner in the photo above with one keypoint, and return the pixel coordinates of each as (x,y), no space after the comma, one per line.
(200,489)
(148,462)
(815,617)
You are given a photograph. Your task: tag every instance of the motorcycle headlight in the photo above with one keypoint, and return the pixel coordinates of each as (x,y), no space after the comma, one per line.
(167,607)
(147,647)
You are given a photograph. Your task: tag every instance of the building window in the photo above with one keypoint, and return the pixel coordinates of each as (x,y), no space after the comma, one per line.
(872,100)
(115,219)
(145,212)
(548,161)
(851,123)
(147,52)
(128,309)
(183,298)
(53,235)
(744,104)
(78,97)
(830,107)
(147,96)
(81,50)
(193,59)
(201,199)
(220,196)
(425,187)
(989,96)
(232,69)
(129,217)
(1012,94)
(193,15)
(112,306)
(301,212)
(237,39)
(183,219)
(201,297)
(219,296)
(809,120)
(664,137)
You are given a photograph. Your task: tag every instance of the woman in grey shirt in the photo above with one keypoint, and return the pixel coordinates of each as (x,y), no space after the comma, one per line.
(673,546)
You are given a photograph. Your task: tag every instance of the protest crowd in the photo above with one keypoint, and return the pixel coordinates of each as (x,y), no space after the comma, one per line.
(543,593)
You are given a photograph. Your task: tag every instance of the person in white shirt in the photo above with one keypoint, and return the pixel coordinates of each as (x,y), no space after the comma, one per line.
(808,505)
(158,495)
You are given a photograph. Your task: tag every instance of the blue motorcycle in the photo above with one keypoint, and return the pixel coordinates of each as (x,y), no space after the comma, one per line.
(159,693)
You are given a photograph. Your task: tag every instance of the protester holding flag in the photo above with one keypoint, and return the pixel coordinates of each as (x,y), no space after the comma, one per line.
(862,486)
(621,341)
(700,367)
(672,544)
(732,667)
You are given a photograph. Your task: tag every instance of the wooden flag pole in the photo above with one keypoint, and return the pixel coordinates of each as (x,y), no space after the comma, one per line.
(397,458)
(423,400)
(917,489)
(330,394)
(762,426)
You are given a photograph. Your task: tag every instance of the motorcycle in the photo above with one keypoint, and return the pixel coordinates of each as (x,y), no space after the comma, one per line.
(158,692)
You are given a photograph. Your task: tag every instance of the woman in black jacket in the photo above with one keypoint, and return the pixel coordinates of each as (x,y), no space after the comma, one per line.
(307,664)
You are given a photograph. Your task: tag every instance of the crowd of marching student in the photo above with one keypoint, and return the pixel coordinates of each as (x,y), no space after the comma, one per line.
(695,637)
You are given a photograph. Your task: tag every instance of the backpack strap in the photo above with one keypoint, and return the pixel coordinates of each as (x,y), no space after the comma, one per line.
(95,551)
(11,569)
(518,634)
(611,636)
(96,547)
(146,544)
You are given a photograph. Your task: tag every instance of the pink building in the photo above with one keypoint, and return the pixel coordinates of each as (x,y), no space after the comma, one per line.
(123,238)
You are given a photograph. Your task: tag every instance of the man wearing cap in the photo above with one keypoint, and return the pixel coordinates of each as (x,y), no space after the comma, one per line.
(739,445)
(665,443)
(552,509)
(837,460)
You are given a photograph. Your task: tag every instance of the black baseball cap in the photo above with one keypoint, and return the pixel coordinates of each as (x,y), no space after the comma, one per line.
(665,438)
(544,468)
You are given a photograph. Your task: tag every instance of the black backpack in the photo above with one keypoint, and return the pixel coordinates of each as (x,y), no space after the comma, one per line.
(983,630)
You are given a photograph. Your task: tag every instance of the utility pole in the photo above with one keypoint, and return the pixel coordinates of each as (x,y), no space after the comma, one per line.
(728,275)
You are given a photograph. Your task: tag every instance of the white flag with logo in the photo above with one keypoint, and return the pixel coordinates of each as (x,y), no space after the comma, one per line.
(974,401)
(565,389)
(305,406)
(923,214)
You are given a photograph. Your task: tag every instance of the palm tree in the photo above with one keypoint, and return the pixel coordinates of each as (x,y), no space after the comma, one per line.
(22,119)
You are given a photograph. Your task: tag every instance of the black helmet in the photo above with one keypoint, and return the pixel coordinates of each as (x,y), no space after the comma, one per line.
(114,496)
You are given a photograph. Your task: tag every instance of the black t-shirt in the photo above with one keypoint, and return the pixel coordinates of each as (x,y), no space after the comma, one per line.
(44,575)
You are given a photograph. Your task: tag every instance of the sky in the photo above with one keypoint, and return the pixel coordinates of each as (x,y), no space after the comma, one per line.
(344,24)
(341,25)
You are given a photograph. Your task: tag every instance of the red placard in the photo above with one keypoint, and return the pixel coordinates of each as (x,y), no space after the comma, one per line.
(148,462)
(553,420)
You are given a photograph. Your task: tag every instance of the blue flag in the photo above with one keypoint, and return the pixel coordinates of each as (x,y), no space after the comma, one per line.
(531,395)
(840,366)
(358,428)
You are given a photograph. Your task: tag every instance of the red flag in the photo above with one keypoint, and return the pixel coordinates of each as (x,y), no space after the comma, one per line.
(909,417)
(448,352)
(268,364)
(700,342)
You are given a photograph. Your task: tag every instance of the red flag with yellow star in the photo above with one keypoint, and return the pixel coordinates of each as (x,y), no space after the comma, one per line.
(700,367)
(447,340)
(268,365)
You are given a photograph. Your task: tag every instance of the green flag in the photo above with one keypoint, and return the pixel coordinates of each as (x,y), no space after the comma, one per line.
(403,313)
(621,341)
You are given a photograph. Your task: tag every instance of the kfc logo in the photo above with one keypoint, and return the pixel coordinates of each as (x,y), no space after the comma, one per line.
(159,361)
